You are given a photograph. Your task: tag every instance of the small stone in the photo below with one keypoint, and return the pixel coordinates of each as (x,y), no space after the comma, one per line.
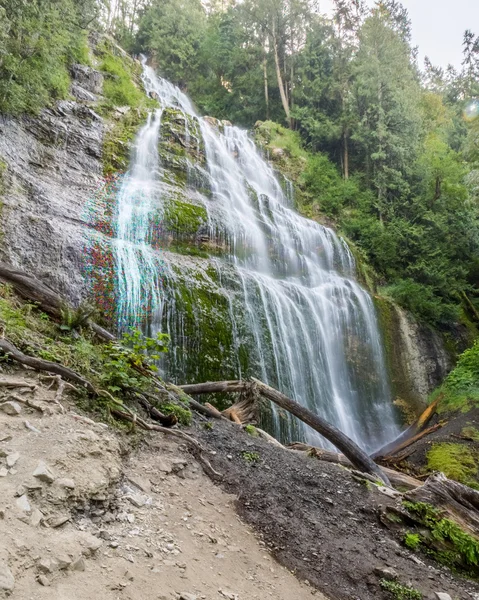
(23,503)
(12,459)
(11,408)
(164,466)
(93,544)
(43,580)
(114,544)
(36,518)
(138,500)
(442,596)
(58,521)
(46,565)
(31,486)
(63,561)
(386,573)
(141,483)
(187,596)
(5,437)
(44,473)
(105,535)
(229,456)
(66,483)
(78,564)
(30,427)
(2,512)
(228,595)
(7,580)
(3,472)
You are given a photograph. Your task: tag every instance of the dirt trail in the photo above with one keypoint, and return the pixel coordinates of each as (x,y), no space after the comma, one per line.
(82,519)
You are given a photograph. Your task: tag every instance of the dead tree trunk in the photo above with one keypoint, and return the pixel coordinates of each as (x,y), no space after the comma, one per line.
(32,289)
(350,449)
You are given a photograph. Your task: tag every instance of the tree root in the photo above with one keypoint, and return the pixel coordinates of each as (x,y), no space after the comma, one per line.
(196,448)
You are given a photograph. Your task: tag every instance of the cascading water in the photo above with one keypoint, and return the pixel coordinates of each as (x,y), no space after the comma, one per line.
(288,281)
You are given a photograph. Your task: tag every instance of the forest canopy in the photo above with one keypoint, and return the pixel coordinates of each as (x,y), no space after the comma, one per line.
(390,147)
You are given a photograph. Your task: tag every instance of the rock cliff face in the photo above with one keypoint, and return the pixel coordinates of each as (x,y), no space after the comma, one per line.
(50,166)
(417,357)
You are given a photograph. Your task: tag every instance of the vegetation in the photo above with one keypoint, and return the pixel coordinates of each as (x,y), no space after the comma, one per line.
(399,591)
(251,457)
(460,390)
(445,541)
(456,461)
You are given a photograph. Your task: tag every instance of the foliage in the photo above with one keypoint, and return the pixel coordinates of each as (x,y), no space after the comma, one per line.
(39,40)
(75,318)
(119,87)
(460,390)
(399,591)
(183,414)
(124,357)
(250,457)
(412,540)
(251,430)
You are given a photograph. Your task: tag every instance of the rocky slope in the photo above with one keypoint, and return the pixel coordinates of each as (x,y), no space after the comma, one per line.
(83,515)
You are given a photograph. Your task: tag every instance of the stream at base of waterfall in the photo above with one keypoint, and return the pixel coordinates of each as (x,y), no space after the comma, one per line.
(311,330)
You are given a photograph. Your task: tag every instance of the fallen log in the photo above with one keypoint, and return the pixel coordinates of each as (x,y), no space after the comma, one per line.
(32,289)
(350,449)
(409,442)
(452,499)
(397,444)
(396,478)
(44,365)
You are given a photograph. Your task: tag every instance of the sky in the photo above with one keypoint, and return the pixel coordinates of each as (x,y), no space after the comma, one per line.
(437,27)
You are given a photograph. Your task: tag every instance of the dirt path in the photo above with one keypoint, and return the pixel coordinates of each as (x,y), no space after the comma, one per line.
(94,522)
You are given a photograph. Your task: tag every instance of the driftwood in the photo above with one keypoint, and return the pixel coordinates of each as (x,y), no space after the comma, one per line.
(396,478)
(398,455)
(350,449)
(453,499)
(411,432)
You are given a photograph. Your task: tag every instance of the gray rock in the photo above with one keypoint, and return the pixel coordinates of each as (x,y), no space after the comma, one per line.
(88,78)
(3,471)
(11,408)
(187,596)
(36,518)
(46,565)
(12,459)
(63,561)
(7,580)
(58,521)
(43,580)
(78,564)
(44,473)
(442,596)
(81,93)
(138,500)
(23,504)
(386,573)
(66,483)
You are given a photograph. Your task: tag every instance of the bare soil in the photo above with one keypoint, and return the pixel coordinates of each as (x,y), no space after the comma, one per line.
(321,522)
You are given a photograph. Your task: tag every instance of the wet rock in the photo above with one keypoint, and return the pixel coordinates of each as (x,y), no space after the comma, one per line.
(11,408)
(7,580)
(44,473)
(12,459)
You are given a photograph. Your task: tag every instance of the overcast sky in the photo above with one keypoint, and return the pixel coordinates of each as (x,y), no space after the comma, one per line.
(437,26)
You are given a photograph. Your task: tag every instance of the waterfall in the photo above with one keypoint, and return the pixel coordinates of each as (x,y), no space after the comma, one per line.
(287,282)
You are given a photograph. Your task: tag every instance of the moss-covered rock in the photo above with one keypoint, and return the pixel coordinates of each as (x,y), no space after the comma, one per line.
(456,461)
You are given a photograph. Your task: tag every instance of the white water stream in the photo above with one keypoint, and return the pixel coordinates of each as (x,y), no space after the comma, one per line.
(313,328)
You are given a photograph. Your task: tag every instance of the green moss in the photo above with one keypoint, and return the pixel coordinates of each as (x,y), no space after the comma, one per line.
(251,457)
(447,542)
(184,218)
(456,461)
(118,141)
(183,414)
(471,433)
(399,591)
(120,71)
